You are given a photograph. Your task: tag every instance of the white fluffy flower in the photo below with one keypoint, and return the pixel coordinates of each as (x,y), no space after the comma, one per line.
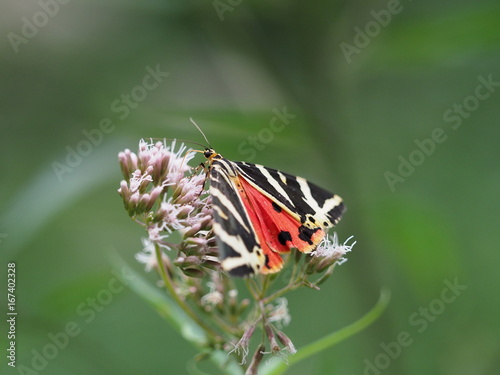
(279,313)
(330,248)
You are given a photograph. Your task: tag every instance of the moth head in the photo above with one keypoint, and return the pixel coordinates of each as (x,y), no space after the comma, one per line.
(210,154)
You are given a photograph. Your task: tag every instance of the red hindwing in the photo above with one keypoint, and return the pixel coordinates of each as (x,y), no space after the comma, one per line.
(276,230)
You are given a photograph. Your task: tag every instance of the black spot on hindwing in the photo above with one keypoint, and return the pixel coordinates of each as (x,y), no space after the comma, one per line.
(305,234)
(284,237)
(267,262)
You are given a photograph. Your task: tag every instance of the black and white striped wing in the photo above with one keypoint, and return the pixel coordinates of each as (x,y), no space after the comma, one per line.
(241,253)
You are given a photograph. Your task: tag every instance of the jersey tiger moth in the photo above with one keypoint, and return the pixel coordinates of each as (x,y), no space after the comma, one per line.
(260,213)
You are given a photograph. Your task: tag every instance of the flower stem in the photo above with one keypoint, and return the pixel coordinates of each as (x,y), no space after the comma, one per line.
(252,288)
(265,285)
(291,286)
(169,284)
(256,359)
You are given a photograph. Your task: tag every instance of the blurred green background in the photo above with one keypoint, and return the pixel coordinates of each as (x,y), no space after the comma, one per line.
(363,83)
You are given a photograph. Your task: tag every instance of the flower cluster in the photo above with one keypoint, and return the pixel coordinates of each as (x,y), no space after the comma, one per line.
(161,192)
(159,195)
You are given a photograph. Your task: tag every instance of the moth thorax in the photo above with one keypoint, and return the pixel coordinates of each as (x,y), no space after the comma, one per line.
(210,154)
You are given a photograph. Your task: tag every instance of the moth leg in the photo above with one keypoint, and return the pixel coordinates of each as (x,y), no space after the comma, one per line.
(206,170)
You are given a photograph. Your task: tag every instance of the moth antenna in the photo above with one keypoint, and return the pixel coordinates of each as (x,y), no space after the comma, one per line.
(203,134)
(180,140)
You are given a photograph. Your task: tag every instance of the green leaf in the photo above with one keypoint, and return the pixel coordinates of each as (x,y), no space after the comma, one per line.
(161,302)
